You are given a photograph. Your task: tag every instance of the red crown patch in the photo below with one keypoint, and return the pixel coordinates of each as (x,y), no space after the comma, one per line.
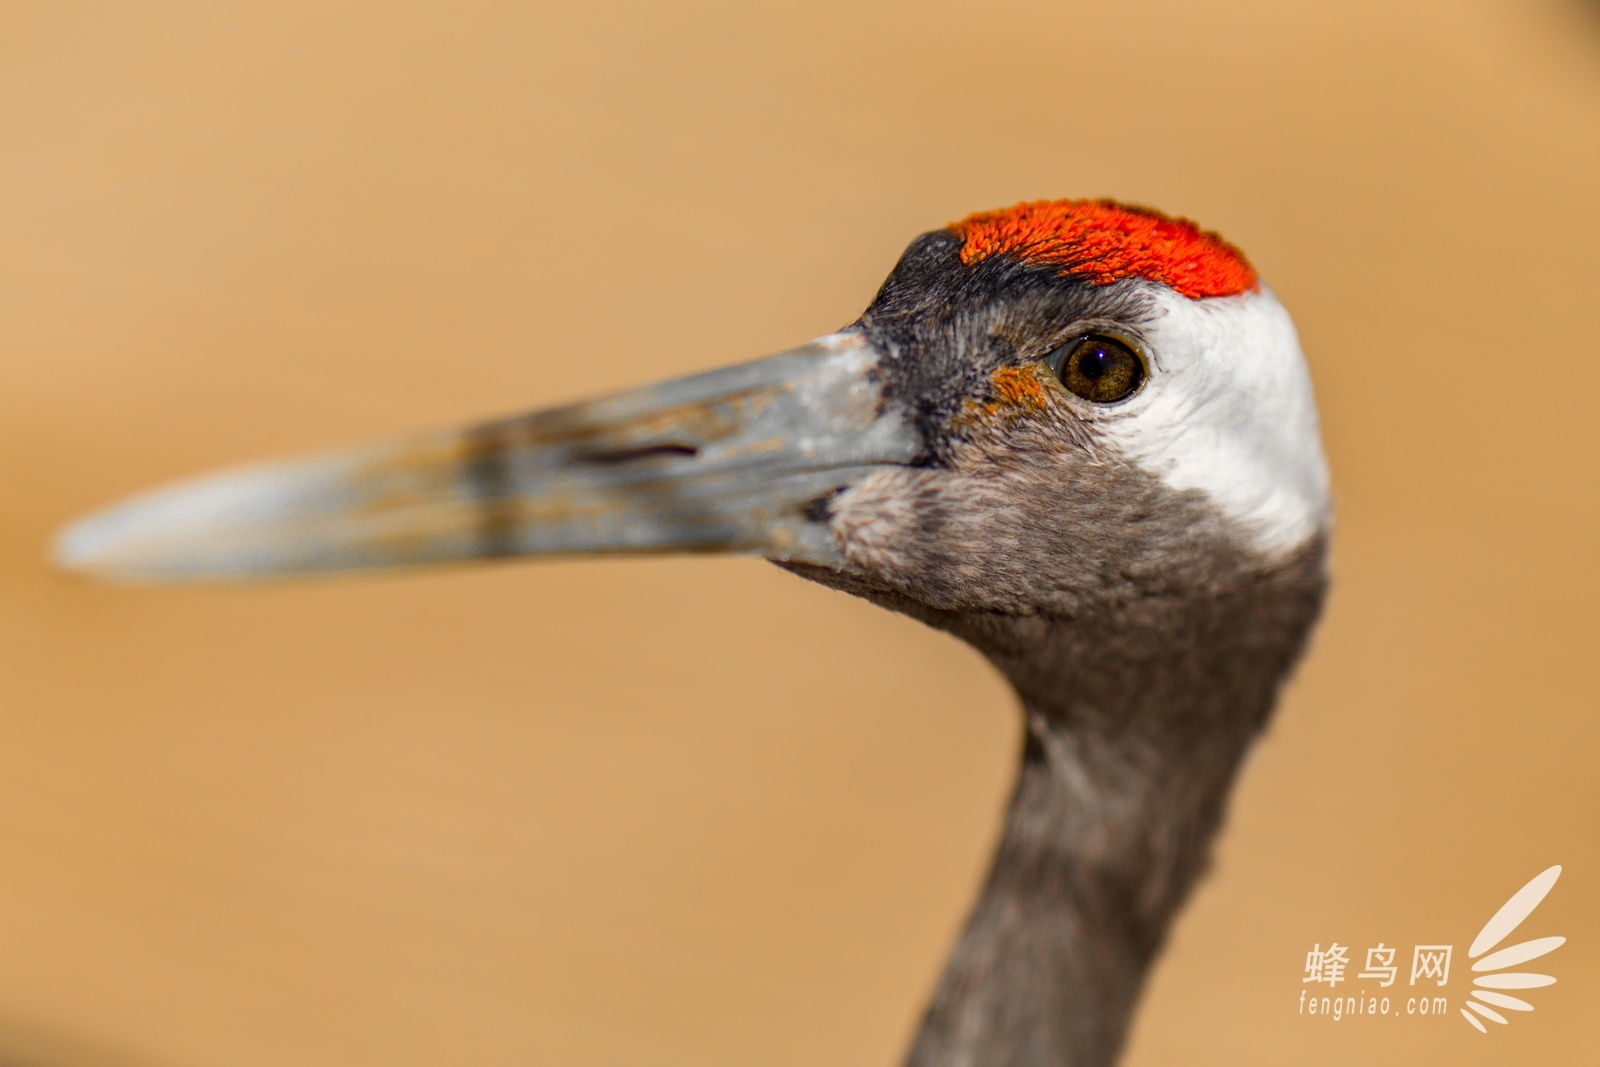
(1104,242)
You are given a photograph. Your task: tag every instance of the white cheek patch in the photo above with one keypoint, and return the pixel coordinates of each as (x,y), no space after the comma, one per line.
(1228,411)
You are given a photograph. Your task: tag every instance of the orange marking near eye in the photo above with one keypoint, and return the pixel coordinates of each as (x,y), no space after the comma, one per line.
(1018,387)
(1104,242)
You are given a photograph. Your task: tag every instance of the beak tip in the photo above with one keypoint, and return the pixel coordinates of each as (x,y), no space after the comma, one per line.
(157,537)
(128,542)
(84,549)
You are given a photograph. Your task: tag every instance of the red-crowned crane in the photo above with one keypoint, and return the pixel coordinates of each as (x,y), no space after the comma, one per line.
(1078,435)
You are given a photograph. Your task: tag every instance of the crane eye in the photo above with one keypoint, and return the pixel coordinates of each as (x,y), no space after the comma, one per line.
(1098,368)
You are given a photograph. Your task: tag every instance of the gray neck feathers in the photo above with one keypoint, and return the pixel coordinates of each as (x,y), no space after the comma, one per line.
(1138,715)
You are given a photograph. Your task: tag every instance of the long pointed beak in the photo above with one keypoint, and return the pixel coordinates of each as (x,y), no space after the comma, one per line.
(742,460)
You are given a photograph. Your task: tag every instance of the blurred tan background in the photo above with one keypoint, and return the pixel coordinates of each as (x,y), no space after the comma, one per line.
(699,812)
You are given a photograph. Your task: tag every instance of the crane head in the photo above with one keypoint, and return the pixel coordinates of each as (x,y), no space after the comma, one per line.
(1056,402)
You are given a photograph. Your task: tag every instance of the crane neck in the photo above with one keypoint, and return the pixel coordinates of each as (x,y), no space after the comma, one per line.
(1138,716)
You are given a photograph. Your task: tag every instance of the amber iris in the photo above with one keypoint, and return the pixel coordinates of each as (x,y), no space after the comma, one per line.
(1098,368)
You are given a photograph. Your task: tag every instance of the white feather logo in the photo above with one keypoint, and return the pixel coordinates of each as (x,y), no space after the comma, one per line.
(1492,968)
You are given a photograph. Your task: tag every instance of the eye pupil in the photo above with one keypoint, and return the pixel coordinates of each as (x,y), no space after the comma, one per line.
(1098,368)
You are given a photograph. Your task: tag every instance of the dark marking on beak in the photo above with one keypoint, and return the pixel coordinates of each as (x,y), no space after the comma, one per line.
(488,470)
(616,456)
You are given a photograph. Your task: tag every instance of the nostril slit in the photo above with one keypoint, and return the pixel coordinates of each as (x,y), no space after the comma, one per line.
(611,457)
